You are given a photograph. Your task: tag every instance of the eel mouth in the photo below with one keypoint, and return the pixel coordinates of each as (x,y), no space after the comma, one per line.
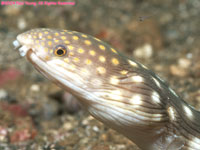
(23,49)
(27,51)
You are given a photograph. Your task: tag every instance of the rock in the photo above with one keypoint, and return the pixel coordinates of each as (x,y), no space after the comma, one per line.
(21,23)
(145,51)
(95,128)
(11,10)
(3,94)
(9,75)
(178,71)
(22,135)
(184,63)
(3,134)
(35,88)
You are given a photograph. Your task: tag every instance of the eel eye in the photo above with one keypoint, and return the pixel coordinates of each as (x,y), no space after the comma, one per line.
(60,50)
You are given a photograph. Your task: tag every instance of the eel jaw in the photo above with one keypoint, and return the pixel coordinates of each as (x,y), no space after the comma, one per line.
(23,49)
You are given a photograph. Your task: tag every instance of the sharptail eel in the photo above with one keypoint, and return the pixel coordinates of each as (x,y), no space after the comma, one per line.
(119,91)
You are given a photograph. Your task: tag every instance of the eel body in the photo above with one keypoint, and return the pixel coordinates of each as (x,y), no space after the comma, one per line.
(119,91)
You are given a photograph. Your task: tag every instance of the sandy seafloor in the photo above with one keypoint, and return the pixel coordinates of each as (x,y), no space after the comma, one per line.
(37,115)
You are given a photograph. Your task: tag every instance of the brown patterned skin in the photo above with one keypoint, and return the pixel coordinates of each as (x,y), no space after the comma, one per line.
(120,92)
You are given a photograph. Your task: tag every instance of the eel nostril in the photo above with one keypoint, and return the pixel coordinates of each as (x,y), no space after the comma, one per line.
(16,44)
